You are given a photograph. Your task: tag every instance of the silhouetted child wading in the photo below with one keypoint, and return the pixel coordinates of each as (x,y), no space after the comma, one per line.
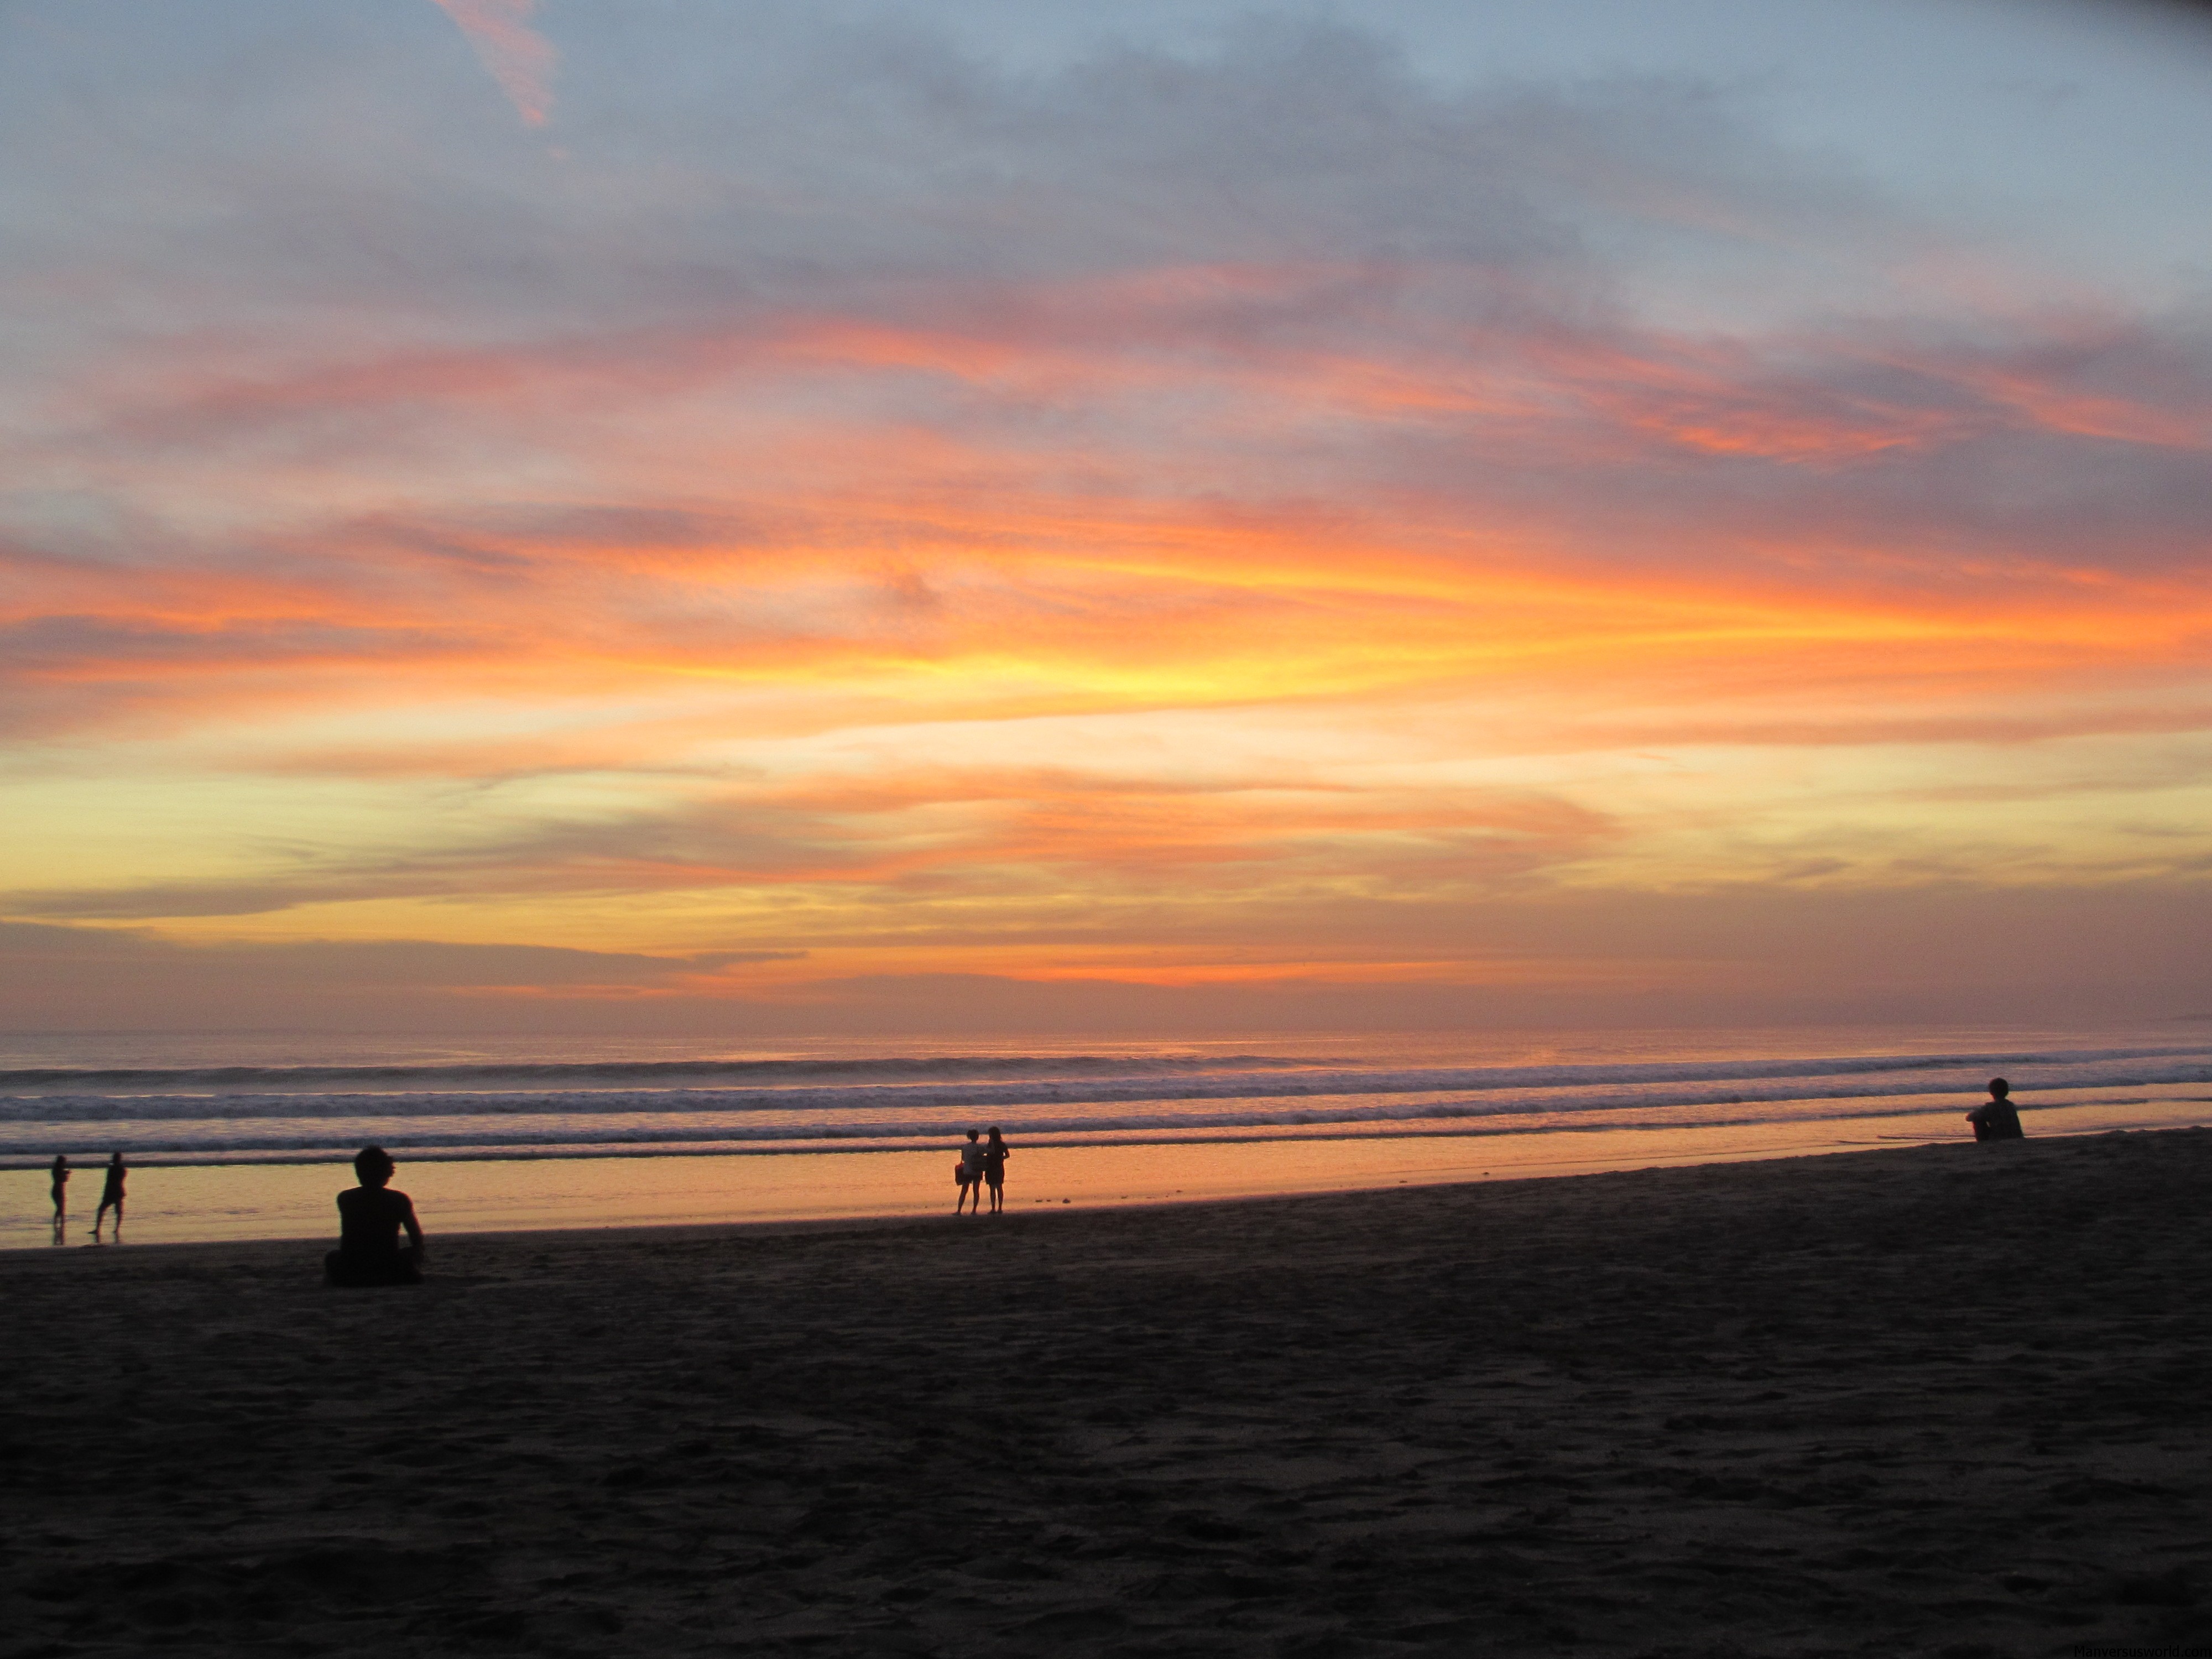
(370,1217)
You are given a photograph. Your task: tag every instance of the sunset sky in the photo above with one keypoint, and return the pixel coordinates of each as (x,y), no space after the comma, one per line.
(705,516)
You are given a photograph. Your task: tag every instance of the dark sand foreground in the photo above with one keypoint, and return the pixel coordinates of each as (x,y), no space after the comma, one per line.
(1952,1399)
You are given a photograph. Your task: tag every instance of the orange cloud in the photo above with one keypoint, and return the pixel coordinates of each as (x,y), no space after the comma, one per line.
(992,613)
(1251,530)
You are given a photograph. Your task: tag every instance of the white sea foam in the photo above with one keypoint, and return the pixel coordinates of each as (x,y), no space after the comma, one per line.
(524,1109)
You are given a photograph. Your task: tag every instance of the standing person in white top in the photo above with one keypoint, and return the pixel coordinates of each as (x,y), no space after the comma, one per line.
(971,1156)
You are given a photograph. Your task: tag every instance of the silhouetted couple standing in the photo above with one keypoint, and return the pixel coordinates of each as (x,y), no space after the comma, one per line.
(982,1164)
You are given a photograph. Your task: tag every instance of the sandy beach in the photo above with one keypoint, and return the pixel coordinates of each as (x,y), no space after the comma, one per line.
(1945,1400)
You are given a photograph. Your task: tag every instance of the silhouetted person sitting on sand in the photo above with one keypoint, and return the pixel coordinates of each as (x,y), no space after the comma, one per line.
(1996,1119)
(111,1197)
(370,1217)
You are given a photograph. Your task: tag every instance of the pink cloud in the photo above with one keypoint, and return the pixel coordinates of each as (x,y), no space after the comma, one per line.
(519,58)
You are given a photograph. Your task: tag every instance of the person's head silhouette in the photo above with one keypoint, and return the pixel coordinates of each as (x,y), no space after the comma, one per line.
(372,1166)
(1999,1088)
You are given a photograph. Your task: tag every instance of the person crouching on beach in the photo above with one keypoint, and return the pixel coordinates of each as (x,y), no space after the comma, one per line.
(111,1198)
(1996,1118)
(971,1174)
(994,1170)
(370,1217)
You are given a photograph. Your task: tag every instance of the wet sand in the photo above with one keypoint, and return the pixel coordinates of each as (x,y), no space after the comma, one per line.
(1946,1399)
(190,1204)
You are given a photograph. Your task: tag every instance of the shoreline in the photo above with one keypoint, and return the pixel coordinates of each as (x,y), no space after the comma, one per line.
(287,1246)
(1943,1398)
(177,1203)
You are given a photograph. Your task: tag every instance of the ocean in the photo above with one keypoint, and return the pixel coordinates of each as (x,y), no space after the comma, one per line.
(258,1114)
